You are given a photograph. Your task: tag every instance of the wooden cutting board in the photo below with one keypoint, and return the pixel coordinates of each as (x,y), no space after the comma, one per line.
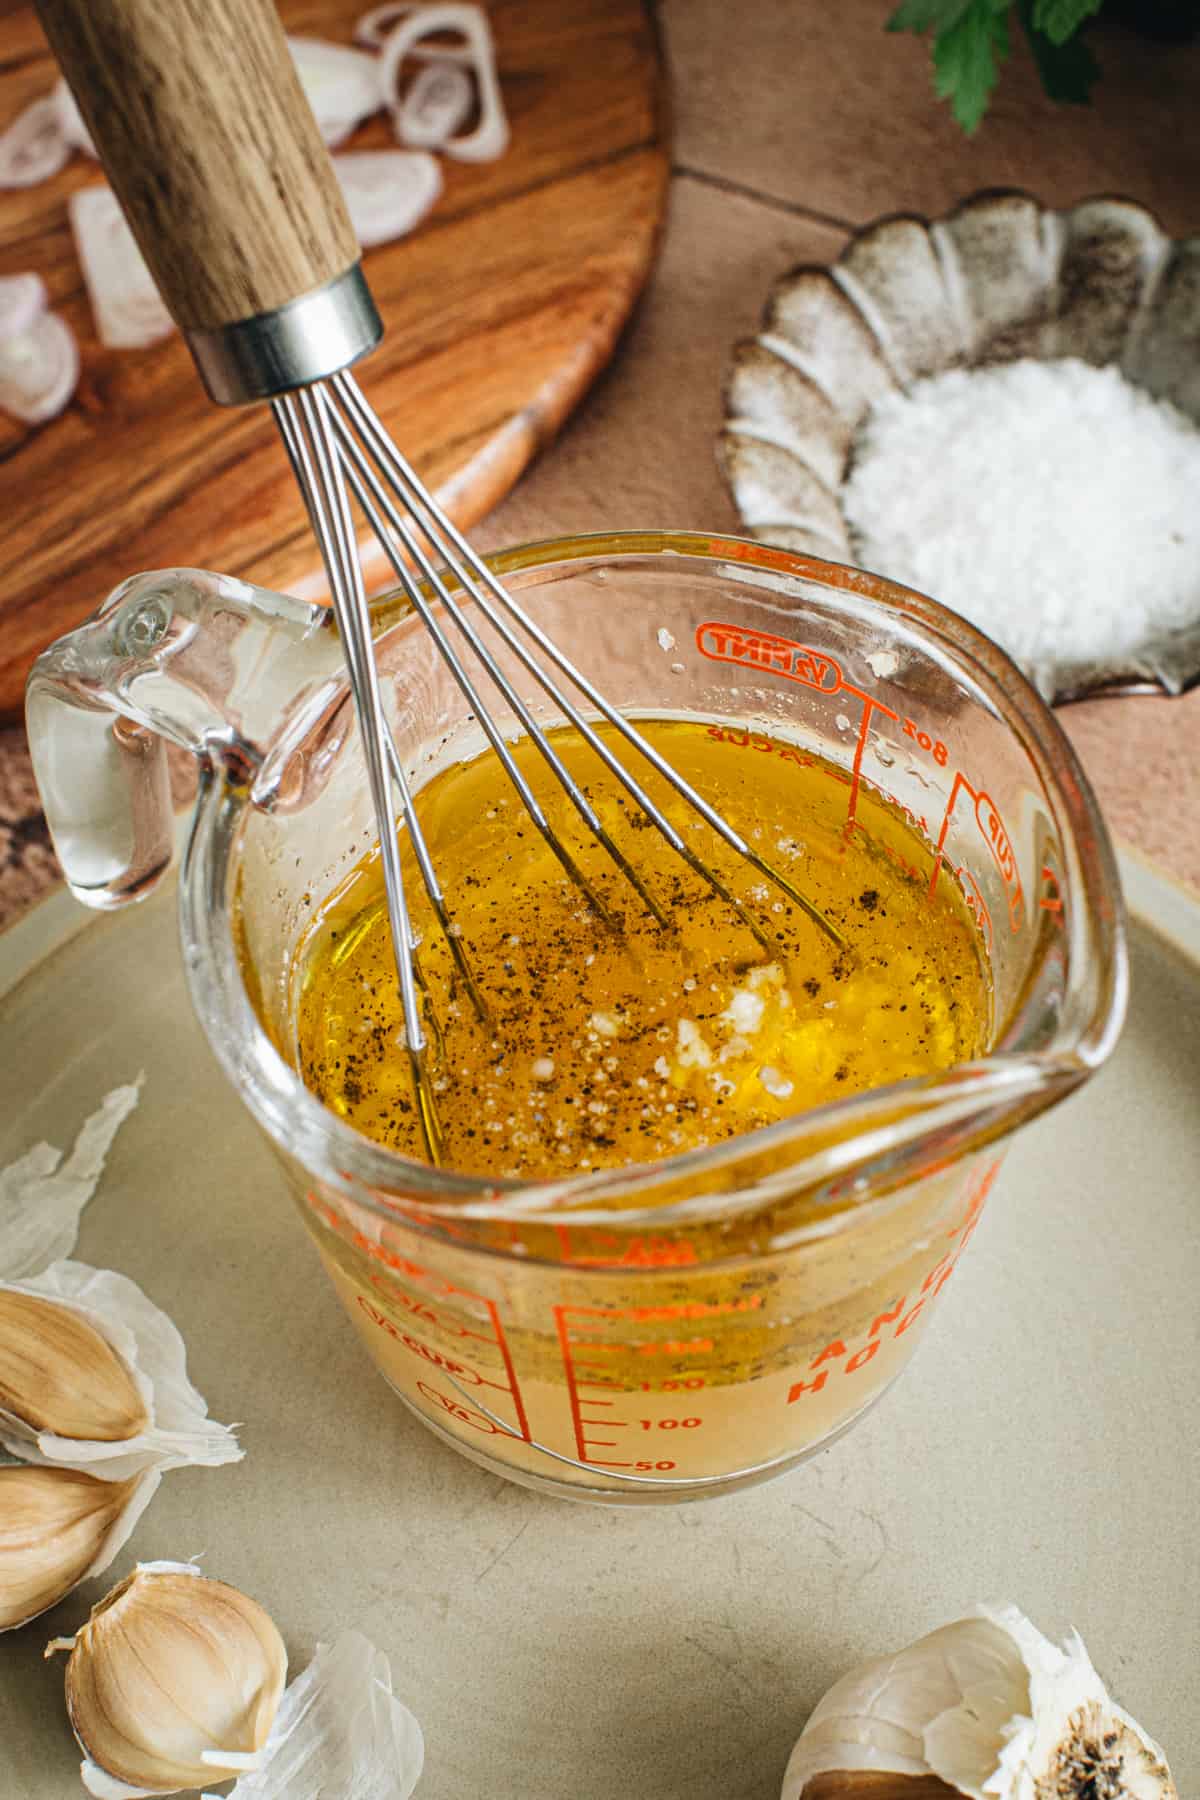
(499,311)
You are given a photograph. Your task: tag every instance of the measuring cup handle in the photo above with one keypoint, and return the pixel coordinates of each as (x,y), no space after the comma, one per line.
(221,668)
(105,789)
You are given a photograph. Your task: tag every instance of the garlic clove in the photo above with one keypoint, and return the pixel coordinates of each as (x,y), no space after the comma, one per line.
(177,1431)
(57,1527)
(987,1706)
(172,1671)
(59,1375)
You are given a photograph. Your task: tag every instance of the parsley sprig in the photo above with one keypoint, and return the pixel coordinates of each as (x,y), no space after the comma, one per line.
(971,40)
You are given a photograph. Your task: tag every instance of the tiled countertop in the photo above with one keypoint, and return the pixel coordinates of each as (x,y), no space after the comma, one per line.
(795,121)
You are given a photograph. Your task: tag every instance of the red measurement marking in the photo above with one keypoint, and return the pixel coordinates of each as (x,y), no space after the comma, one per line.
(769,654)
(432,1287)
(462,1371)
(564,1344)
(464,1414)
(577,1353)
(419,1309)
(869,706)
(1051,902)
(934,746)
(903,1313)
(772,655)
(995,836)
(976,904)
(627,1253)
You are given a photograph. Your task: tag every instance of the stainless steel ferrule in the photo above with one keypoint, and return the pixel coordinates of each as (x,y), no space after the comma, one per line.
(304,341)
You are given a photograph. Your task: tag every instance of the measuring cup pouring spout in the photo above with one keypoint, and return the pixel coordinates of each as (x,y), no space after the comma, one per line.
(677,1329)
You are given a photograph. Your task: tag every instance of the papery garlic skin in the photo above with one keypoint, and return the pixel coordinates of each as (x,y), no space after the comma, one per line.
(340,1731)
(1074,1740)
(60,1376)
(989,1706)
(172,1673)
(57,1528)
(43,1194)
(175,1431)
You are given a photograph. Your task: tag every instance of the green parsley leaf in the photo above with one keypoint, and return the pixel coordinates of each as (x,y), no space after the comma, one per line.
(1068,69)
(1059,19)
(966,60)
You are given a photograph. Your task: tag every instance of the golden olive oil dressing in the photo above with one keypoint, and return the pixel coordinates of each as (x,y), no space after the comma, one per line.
(614,1043)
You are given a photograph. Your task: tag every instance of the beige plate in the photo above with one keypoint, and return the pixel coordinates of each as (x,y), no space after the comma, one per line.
(1044,1449)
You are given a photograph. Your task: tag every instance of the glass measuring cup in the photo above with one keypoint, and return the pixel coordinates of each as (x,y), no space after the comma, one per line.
(635,1335)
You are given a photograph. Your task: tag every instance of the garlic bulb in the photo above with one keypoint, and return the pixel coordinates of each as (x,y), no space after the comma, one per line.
(57,1527)
(59,1375)
(990,1707)
(94,1377)
(174,1681)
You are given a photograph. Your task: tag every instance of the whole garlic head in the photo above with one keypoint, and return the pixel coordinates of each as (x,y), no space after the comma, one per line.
(990,1707)
(57,1527)
(174,1681)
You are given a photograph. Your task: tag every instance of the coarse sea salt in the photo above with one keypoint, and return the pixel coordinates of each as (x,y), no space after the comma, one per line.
(1053,504)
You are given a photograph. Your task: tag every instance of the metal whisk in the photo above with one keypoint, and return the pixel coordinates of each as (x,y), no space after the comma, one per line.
(214,154)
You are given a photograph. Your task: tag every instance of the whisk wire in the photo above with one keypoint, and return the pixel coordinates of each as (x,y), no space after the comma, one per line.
(338,448)
(367,492)
(359,472)
(470,573)
(304,423)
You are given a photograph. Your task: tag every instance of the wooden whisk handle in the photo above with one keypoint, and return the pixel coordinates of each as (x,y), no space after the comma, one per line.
(198,115)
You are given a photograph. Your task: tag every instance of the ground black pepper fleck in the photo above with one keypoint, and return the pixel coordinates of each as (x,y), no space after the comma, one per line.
(603,1006)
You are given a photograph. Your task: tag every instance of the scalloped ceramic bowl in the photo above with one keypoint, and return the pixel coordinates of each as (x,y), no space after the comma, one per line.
(999,278)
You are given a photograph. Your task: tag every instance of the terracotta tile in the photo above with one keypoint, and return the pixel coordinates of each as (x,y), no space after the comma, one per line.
(28,866)
(817,105)
(640,451)
(1142,756)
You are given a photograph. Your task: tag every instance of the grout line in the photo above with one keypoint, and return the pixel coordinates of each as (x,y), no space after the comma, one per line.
(726,185)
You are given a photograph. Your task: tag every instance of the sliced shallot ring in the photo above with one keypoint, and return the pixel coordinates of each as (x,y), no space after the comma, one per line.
(22,301)
(373,28)
(489,139)
(126,305)
(71,119)
(387,192)
(341,84)
(39,370)
(438,104)
(34,147)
